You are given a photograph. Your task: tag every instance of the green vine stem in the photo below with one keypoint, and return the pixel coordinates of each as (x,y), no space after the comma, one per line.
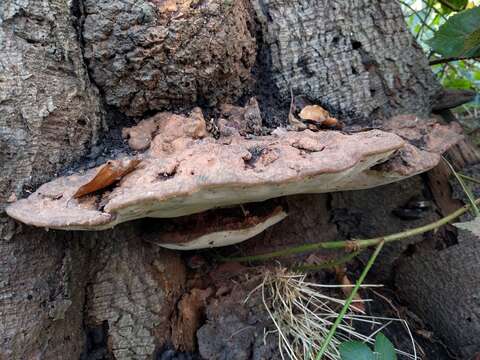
(465,188)
(356,245)
(349,300)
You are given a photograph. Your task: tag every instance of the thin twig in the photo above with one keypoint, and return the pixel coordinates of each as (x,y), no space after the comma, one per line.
(424,22)
(348,302)
(415,12)
(450,59)
(439,13)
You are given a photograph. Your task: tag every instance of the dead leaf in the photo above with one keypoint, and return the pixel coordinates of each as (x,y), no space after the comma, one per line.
(111,172)
(314,113)
(330,122)
(318,115)
(347,288)
(472,226)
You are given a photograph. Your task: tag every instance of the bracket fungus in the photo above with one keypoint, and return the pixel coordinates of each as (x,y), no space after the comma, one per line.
(214,228)
(186,171)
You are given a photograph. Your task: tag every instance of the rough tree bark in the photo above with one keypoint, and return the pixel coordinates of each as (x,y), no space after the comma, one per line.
(49,115)
(357,57)
(110,295)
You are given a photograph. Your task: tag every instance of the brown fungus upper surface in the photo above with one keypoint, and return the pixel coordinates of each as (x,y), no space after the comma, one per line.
(186,171)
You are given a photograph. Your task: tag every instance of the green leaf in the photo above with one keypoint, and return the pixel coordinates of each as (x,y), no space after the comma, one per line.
(457,83)
(472,226)
(384,348)
(453,5)
(459,36)
(356,350)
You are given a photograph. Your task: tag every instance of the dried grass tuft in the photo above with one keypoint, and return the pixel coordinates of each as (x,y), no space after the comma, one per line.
(303,312)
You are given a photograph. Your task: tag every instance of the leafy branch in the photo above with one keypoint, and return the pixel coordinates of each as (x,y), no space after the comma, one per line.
(449,31)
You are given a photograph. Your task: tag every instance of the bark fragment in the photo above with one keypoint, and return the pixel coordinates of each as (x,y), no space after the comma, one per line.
(190,312)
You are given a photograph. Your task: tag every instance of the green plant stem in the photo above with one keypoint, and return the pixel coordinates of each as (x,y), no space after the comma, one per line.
(466,190)
(419,33)
(349,300)
(451,59)
(355,244)
(469,178)
(416,13)
(327,264)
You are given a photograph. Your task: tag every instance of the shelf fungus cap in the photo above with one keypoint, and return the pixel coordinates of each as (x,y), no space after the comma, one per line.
(185,171)
(425,142)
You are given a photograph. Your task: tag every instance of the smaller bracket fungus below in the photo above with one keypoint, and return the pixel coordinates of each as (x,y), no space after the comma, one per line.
(213,228)
(186,171)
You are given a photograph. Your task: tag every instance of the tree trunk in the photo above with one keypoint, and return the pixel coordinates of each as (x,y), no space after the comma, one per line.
(110,295)
(50,115)
(356,58)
